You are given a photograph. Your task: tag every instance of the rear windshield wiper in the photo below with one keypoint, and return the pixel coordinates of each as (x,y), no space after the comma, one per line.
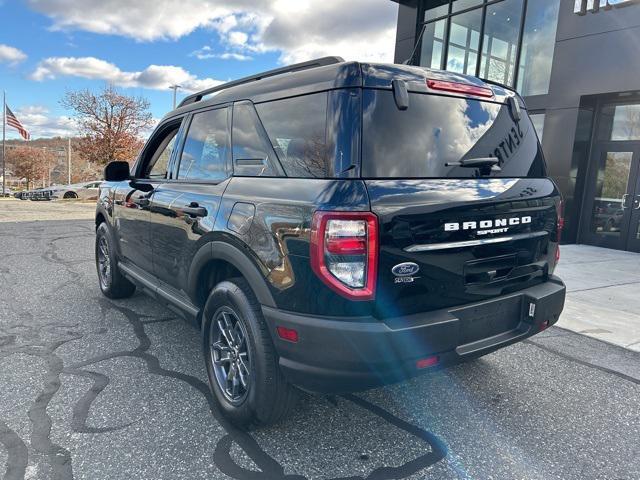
(475,163)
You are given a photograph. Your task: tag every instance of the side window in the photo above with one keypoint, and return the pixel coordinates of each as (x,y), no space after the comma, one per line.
(206,147)
(157,160)
(252,152)
(297,130)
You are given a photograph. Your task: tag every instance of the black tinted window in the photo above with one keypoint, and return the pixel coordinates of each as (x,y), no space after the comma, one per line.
(157,162)
(436,130)
(205,152)
(252,152)
(297,130)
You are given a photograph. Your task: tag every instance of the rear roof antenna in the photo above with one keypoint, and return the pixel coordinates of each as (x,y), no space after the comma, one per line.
(409,60)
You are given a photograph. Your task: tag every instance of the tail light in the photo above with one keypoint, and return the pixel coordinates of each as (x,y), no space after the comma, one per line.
(456,87)
(559,227)
(344,252)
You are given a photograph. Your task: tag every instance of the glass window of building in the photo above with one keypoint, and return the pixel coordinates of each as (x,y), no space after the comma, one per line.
(464,41)
(626,123)
(538,42)
(435,9)
(619,122)
(459,5)
(455,31)
(538,123)
(500,44)
(432,53)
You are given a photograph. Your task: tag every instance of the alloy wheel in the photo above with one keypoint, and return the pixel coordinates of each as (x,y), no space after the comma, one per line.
(104,263)
(230,355)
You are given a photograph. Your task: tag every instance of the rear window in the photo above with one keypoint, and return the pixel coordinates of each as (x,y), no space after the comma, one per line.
(297,130)
(436,130)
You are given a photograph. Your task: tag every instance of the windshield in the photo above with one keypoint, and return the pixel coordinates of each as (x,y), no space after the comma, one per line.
(437,132)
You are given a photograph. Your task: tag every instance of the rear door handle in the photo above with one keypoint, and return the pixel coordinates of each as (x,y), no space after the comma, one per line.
(624,201)
(637,203)
(194,210)
(142,200)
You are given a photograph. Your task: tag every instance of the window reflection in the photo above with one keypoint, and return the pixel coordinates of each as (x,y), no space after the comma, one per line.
(296,128)
(461,34)
(436,132)
(502,27)
(459,5)
(611,186)
(433,44)
(538,123)
(464,41)
(626,123)
(250,145)
(619,123)
(435,9)
(204,156)
(538,43)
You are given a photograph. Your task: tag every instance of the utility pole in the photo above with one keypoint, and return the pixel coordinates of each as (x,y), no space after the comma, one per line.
(4,123)
(69,160)
(175,88)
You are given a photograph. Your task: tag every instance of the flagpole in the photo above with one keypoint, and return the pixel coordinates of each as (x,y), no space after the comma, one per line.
(4,122)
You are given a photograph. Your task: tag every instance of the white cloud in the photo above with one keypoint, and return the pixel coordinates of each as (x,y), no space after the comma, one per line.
(355,30)
(298,29)
(157,77)
(237,38)
(142,20)
(234,56)
(207,52)
(11,55)
(40,123)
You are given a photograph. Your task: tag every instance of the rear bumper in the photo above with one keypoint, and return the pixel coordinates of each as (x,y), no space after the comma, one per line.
(341,355)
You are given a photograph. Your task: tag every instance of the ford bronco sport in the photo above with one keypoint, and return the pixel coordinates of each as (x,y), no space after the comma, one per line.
(335,226)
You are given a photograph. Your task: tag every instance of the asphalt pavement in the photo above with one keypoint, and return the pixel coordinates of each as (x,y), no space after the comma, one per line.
(96,389)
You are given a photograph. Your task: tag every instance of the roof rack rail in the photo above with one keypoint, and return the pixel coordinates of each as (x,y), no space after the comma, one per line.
(320,62)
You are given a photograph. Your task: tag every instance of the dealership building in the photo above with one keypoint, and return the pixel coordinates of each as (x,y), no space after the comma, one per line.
(577,65)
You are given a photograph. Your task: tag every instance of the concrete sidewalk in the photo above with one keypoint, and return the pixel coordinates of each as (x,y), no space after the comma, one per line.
(603,294)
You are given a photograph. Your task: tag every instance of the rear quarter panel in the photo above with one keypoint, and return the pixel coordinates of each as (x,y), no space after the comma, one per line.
(278,235)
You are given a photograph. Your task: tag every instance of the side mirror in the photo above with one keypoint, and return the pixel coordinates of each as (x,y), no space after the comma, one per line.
(117,172)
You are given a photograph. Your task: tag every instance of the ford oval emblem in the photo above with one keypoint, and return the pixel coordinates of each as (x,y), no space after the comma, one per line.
(405,269)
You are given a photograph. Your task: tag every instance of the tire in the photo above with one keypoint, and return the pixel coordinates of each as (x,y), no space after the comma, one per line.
(267,397)
(69,195)
(112,283)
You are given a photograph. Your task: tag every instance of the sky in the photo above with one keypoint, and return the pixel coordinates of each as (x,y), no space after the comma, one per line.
(49,47)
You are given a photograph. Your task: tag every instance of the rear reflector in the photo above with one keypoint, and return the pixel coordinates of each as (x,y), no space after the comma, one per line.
(464,88)
(288,334)
(427,362)
(544,325)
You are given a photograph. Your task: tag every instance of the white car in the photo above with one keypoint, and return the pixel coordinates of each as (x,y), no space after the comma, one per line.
(83,190)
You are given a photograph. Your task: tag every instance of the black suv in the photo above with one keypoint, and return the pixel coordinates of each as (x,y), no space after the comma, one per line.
(336,226)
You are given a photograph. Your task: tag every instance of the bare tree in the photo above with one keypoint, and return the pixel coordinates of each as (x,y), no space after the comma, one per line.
(111,123)
(29,163)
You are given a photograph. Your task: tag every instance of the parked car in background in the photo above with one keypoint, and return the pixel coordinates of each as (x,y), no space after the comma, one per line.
(37,194)
(83,190)
(7,193)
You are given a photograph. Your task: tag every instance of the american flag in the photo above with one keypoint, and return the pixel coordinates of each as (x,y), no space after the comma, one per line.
(12,121)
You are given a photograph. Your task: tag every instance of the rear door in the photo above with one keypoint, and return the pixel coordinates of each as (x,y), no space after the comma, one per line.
(184,208)
(452,234)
